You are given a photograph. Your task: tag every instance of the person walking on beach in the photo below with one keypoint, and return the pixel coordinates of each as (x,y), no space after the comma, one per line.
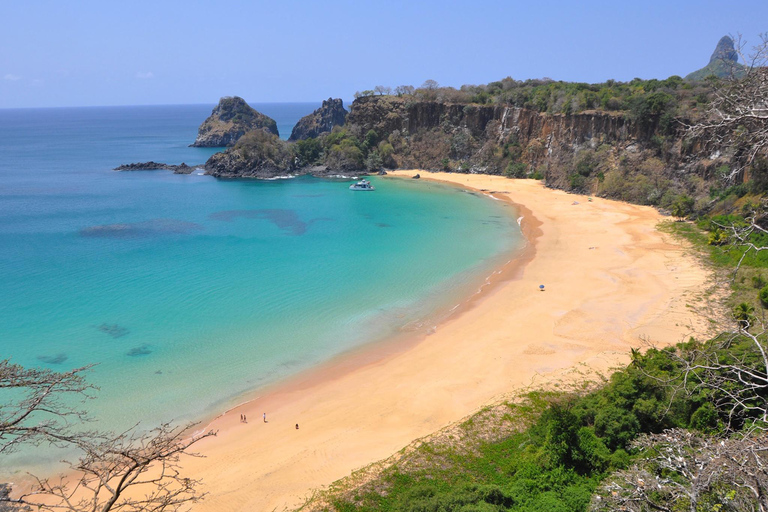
(265,417)
(244,419)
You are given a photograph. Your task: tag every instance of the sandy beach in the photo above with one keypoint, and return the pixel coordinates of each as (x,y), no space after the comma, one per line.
(612,280)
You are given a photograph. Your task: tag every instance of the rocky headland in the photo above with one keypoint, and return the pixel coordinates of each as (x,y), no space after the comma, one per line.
(231,119)
(623,140)
(331,114)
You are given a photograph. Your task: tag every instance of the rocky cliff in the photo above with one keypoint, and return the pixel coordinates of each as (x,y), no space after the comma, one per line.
(486,138)
(724,62)
(230,120)
(634,155)
(332,113)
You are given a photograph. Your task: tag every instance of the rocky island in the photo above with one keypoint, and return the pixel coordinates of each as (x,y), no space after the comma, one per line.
(229,121)
(155,166)
(323,120)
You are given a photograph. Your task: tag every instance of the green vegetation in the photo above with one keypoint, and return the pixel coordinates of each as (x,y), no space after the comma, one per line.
(550,451)
(640,98)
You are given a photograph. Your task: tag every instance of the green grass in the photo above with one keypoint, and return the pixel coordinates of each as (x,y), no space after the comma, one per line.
(743,284)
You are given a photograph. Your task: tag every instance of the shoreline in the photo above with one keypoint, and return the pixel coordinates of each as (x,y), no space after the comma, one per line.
(378,350)
(612,280)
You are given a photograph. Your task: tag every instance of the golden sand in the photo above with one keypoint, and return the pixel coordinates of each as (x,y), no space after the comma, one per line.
(612,280)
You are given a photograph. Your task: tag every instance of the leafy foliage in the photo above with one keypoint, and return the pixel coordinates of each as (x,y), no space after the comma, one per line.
(572,443)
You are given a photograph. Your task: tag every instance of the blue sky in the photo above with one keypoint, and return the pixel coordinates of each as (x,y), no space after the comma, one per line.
(82,53)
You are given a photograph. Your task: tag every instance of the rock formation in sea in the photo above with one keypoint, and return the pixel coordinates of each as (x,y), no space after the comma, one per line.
(258,154)
(157,166)
(331,113)
(405,132)
(230,120)
(621,140)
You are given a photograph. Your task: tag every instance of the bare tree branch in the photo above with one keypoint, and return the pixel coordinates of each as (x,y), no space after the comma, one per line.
(128,472)
(33,409)
(737,118)
(681,469)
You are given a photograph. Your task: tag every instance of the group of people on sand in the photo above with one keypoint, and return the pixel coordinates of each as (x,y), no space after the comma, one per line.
(243,419)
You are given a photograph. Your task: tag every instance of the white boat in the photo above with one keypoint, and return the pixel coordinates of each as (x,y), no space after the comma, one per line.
(362,185)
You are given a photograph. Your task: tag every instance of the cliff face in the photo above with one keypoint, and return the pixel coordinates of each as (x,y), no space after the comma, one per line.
(645,159)
(332,113)
(230,120)
(472,134)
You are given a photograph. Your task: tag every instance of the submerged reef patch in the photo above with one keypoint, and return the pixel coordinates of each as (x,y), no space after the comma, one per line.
(141,350)
(54,359)
(114,330)
(286,220)
(144,229)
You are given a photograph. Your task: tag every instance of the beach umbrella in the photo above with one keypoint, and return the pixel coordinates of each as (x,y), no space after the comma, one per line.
(541,287)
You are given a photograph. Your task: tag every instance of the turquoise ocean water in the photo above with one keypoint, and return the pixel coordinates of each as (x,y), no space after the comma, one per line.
(190,291)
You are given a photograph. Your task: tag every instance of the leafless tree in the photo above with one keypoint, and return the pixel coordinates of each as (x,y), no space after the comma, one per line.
(404,90)
(36,406)
(430,85)
(130,471)
(685,469)
(737,118)
(382,90)
(738,382)
(742,235)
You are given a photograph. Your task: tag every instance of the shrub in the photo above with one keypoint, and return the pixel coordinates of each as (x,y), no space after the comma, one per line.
(764,296)
(516,170)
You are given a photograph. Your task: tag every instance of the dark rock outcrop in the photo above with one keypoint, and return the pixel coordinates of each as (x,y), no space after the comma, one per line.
(331,113)
(724,51)
(724,62)
(258,154)
(156,166)
(231,119)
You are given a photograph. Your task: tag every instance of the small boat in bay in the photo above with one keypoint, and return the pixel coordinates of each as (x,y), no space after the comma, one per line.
(362,185)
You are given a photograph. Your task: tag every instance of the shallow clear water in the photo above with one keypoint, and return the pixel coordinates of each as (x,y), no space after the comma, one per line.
(187,290)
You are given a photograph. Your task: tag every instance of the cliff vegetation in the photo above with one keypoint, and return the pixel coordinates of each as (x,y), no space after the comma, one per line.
(631,141)
(229,121)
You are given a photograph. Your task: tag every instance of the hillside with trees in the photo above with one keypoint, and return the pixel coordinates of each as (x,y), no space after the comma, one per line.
(631,141)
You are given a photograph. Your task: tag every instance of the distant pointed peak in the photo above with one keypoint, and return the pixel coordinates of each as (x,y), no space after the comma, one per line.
(724,51)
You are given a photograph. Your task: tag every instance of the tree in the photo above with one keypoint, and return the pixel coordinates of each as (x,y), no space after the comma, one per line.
(744,314)
(737,117)
(682,207)
(404,90)
(363,94)
(130,471)
(685,471)
(430,85)
(382,90)
(37,412)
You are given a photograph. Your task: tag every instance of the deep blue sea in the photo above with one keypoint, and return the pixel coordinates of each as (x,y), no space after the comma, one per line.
(188,291)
